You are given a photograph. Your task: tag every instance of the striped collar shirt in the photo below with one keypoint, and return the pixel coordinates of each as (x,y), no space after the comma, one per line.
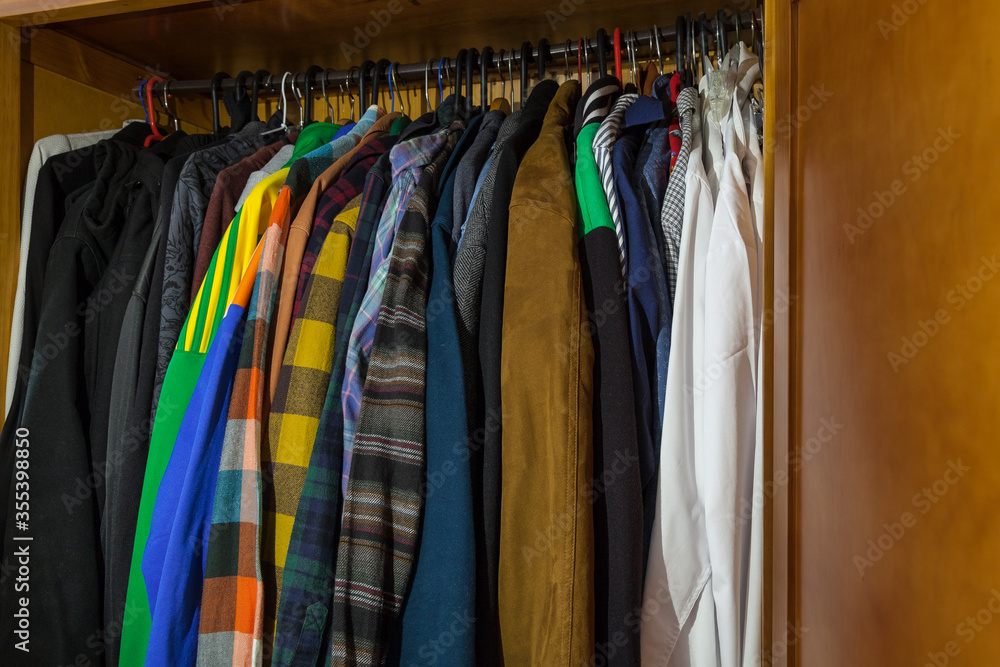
(604,143)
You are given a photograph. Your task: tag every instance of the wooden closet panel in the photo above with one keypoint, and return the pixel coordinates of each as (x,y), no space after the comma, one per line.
(195,41)
(10,183)
(898,479)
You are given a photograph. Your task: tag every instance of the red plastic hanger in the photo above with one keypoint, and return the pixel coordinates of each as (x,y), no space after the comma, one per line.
(151,113)
(618,54)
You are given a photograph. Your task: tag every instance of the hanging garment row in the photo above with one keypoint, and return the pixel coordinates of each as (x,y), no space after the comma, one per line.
(476,388)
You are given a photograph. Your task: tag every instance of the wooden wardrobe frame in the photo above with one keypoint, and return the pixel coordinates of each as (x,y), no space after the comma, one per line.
(99,70)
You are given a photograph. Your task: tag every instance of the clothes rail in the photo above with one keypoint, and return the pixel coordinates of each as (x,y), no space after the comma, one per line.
(272,82)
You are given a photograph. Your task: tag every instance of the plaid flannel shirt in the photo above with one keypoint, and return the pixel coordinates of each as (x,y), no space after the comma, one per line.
(307,579)
(231,626)
(298,401)
(384,498)
(408,158)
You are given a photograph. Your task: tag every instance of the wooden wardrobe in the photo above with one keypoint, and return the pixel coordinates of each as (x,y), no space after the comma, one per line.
(882,397)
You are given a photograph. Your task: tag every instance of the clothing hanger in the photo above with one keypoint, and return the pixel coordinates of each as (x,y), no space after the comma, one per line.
(503,82)
(216,84)
(440,86)
(347,85)
(617,46)
(721,37)
(427,80)
(630,50)
(684,51)
(241,86)
(298,100)
(579,60)
(395,83)
(284,127)
(258,79)
(381,67)
(586,58)
(566,52)
(470,57)
(326,98)
(544,57)
(309,78)
(525,59)
(151,113)
(165,103)
(693,63)
(459,63)
(485,62)
(602,51)
(703,39)
(363,101)
(655,37)
(510,74)
(146,96)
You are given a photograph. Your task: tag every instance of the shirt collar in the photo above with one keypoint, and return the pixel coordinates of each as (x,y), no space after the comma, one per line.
(416,152)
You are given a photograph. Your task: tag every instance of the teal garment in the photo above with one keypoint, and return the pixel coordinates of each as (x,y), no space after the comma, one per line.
(442,597)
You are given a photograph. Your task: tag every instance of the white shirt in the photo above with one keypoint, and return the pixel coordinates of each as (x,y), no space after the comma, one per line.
(716,90)
(727,453)
(44,149)
(678,619)
(753,167)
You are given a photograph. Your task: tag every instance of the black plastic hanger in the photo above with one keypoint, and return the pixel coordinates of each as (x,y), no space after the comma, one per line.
(258,79)
(721,37)
(310,77)
(703,37)
(459,64)
(681,57)
(485,62)
(381,67)
(216,86)
(602,51)
(544,57)
(362,88)
(470,59)
(526,58)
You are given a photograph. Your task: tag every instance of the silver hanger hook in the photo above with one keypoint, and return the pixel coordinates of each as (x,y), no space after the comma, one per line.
(396,82)
(510,74)
(655,38)
(166,106)
(736,20)
(284,100)
(568,48)
(427,79)
(586,57)
(325,97)
(347,84)
(298,98)
(503,84)
(630,48)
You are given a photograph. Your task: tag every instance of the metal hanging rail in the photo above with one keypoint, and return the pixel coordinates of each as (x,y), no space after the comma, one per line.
(413,72)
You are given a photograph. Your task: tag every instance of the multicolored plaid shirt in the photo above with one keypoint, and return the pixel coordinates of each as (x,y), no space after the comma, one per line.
(350,184)
(232,603)
(302,632)
(384,497)
(298,403)
(408,158)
